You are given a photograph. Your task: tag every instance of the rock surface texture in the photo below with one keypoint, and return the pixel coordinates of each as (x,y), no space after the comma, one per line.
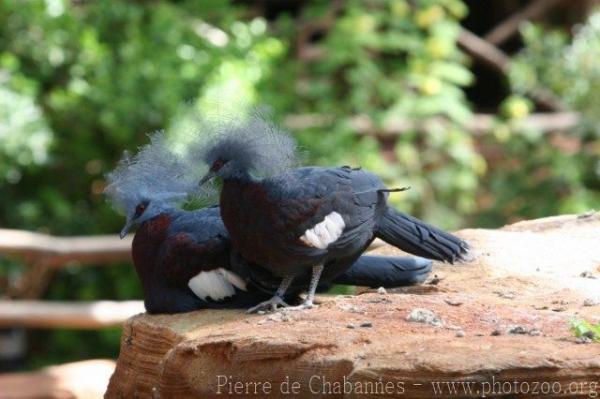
(496,326)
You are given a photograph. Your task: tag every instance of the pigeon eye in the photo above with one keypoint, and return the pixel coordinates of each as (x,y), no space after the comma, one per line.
(218,164)
(140,209)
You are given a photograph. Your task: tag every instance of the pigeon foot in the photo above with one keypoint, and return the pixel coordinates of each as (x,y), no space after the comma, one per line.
(272,305)
(304,306)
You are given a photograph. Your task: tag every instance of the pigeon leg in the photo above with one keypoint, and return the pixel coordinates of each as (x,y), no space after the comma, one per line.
(314,282)
(277,299)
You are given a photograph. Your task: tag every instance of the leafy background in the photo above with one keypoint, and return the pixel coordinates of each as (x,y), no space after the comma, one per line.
(82,81)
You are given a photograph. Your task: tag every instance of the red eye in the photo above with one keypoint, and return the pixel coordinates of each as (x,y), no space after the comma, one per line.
(218,164)
(140,209)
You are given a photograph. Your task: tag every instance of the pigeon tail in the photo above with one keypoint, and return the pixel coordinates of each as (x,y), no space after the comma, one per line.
(386,271)
(419,238)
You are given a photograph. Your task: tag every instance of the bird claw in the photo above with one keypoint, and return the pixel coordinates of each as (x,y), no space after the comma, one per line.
(304,306)
(272,305)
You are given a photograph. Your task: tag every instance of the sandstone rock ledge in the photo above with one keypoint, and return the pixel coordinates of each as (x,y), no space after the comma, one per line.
(504,329)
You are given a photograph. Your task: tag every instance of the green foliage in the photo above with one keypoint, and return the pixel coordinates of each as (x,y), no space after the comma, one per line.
(515,107)
(80,83)
(585,329)
(387,60)
(538,175)
(21,114)
(105,73)
(534,177)
(569,70)
(59,346)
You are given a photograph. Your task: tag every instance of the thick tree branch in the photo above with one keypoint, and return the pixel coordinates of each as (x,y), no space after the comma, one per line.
(507,28)
(480,124)
(52,251)
(53,314)
(483,51)
(499,61)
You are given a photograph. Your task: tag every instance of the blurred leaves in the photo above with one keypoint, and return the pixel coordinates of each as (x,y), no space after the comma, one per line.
(585,329)
(20,113)
(387,60)
(81,82)
(538,174)
(568,68)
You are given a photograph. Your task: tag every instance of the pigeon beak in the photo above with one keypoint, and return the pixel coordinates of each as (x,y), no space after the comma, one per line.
(206,178)
(125,229)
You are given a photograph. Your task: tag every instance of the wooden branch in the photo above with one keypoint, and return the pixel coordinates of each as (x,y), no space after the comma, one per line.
(551,122)
(507,28)
(58,251)
(478,48)
(80,315)
(84,379)
(480,124)
(483,51)
(499,61)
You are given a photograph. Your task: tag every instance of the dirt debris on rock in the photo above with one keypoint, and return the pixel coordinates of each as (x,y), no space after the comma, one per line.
(425,316)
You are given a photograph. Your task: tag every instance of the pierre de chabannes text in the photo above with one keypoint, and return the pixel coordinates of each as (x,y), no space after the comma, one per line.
(323,385)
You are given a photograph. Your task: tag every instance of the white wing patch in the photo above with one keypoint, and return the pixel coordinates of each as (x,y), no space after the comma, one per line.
(217,284)
(325,232)
(234,279)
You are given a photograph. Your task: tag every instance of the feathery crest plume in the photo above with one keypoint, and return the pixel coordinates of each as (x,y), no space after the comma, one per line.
(155,173)
(252,140)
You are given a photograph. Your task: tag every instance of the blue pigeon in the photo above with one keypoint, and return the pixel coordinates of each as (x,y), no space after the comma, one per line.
(294,221)
(184,259)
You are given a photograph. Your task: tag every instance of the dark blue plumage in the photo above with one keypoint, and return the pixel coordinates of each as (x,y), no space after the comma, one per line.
(171,249)
(174,247)
(310,219)
(266,218)
(184,259)
(386,271)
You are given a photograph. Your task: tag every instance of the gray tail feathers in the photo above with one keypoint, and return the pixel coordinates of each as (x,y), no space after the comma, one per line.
(386,271)
(419,238)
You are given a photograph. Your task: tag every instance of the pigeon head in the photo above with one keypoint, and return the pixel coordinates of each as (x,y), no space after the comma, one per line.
(150,182)
(144,210)
(250,146)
